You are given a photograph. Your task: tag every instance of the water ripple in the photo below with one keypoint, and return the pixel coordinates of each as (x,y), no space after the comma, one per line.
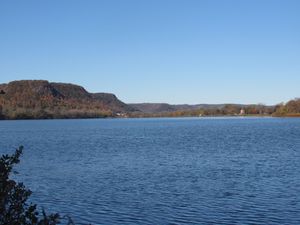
(162,171)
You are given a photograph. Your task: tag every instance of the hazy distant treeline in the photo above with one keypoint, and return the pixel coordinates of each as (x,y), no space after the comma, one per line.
(226,110)
(290,109)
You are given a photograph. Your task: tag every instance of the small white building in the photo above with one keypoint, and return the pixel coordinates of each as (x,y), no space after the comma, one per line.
(242,112)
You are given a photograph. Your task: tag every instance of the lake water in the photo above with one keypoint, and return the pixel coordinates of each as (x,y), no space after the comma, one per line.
(161,171)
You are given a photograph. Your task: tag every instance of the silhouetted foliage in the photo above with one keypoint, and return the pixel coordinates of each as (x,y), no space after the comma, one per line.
(14,209)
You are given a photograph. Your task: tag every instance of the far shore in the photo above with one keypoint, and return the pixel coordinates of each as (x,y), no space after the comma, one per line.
(157,117)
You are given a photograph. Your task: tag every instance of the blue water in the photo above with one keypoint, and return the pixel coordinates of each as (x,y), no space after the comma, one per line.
(162,171)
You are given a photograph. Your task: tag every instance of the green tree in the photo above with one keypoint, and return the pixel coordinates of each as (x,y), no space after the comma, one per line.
(14,209)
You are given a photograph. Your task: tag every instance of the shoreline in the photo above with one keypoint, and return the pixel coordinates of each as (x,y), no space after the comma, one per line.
(155,117)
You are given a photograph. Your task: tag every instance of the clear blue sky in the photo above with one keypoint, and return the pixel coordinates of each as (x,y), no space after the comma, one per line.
(240,51)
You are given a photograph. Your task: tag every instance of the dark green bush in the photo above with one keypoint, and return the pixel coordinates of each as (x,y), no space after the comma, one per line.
(14,207)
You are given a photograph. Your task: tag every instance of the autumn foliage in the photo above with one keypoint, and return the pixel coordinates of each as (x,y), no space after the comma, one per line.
(38,99)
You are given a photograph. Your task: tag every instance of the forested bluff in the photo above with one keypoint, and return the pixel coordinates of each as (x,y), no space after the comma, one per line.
(41,99)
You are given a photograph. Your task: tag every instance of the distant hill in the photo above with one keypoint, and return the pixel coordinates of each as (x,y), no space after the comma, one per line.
(185,110)
(153,107)
(164,107)
(42,99)
(38,99)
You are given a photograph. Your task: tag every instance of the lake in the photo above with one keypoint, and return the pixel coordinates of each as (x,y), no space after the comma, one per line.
(161,171)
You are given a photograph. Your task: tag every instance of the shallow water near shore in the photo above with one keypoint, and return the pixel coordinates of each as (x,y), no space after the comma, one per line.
(161,171)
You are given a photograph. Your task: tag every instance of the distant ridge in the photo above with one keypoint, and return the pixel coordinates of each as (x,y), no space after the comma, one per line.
(165,108)
(42,99)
